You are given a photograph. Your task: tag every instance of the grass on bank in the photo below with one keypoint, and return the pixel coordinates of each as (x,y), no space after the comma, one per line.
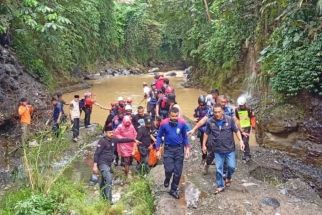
(45,191)
(68,197)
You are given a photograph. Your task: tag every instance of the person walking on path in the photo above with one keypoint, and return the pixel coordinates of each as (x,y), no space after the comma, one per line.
(244,116)
(144,138)
(57,114)
(124,150)
(25,111)
(211,98)
(201,111)
(219,134)
(140,115)
(176,147)
(74,116)
(103,159)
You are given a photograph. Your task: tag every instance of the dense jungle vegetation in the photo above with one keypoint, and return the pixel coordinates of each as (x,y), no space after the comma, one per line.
(59,36)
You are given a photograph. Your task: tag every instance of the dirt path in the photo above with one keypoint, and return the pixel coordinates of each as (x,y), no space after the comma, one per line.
(262,186)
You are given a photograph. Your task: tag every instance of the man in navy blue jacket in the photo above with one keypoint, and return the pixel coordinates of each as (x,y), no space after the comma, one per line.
(174,130)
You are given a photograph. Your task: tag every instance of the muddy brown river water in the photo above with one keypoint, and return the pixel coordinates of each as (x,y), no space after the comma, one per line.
(107,91)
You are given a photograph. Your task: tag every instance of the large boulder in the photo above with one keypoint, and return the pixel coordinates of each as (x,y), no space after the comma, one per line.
(294,126)
(16,83)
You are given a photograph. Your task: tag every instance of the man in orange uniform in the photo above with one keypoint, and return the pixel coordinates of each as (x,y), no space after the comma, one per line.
(25,111)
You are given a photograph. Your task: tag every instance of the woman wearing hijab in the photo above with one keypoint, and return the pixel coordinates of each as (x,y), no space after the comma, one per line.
(125,130)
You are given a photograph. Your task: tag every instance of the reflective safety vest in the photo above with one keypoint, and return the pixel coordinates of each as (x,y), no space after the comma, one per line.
(244,118)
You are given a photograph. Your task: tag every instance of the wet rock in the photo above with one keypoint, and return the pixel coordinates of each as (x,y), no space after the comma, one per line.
(301,190)
(153,70)
(270,202)
(294,127)
(171,74)
(192,194)
(126,72)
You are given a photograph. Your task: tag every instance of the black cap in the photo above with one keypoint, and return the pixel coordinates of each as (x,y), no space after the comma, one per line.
(108,127)
(214,91)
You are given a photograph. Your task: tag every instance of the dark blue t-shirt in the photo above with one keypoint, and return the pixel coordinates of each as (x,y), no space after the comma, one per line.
(56,112)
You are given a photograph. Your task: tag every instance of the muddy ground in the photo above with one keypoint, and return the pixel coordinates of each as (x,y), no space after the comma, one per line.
(266,185)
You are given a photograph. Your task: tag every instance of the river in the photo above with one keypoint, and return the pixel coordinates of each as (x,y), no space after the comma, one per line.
(107,91)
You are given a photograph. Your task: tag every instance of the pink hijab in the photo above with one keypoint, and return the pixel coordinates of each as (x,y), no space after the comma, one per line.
(125,130)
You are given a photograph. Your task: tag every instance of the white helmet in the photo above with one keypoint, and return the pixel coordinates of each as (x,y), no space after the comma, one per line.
(120,99)
(128,107)
(241,100)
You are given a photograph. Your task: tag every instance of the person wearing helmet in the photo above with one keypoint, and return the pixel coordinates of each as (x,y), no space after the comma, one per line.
(128,110)
(121,104)
(244,115)
(159,82)
(201,111)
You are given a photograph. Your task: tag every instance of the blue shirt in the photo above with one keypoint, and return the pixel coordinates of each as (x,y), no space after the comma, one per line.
(228,111)
(56,112)
(173,135)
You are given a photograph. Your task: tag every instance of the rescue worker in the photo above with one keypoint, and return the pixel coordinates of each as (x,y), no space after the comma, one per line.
(176,146)
(25,111)
(140,115)
(163,106)
(211,98)
(144,138)
(152,102)
(201,111)
(74,116)
(56,117)
(219,134)
(244,115)
(103,159)
(167,89)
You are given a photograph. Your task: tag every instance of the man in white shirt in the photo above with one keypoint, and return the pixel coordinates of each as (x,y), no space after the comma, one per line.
(146,91)
(75,115)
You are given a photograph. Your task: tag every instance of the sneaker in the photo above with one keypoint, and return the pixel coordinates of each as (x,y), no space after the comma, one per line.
(206,169)
(75,139)
(175,194)
(166,183)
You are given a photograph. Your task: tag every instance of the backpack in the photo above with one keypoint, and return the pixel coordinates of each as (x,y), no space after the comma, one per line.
(82,104)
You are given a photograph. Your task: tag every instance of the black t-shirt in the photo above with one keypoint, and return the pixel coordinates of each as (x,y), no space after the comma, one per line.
(144,136)
(104,153)
(136,118)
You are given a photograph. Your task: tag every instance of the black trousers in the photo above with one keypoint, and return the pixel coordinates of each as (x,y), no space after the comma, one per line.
(87,120)
(200,135)
(75,127)
(247,148)
(173,164)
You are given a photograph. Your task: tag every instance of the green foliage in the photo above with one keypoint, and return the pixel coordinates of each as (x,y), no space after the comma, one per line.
(293,58)
(139,197)
(57,36)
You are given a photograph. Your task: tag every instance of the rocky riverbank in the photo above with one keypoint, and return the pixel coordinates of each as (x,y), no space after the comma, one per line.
(272,183)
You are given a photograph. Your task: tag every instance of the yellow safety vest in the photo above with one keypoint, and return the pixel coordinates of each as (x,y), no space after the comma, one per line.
(244,118)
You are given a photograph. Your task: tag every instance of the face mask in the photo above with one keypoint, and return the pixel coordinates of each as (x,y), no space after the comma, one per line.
(173,122)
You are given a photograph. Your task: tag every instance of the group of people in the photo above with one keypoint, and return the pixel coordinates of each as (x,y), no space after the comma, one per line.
(217,121)
(127,133)
(161,129)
